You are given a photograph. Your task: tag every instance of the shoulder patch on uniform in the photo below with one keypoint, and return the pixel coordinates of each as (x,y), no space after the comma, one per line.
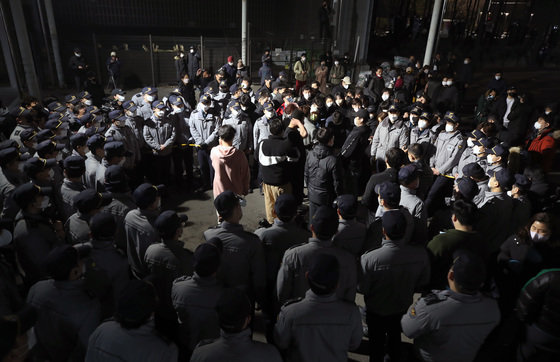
(413,312)
(433,298)
(292,301)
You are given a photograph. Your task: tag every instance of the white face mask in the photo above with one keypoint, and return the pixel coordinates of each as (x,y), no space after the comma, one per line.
(422,124)
(345,86)
(129,114)
(470,142)
(303,59)
(192,50)
(477,150)
(329,104)
(465,62)
(58,157)
(158,113)
(51,174)
(356,122)
(443,83)
(205,108)
(314,108)
(306,96)
(88,102)
(497,77)
(356,109)
(268,115)
(186,81)
(120,98)
(44,203)
(150,98)
(230,64)
(489,159)
(449,128)
(537,125)
(489,184)
(393,117)
(384,96)
(538,237)
(336,62)
(234,113)
(449,82)
(509,193)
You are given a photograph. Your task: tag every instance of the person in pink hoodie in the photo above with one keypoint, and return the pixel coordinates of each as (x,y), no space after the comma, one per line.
(230,165)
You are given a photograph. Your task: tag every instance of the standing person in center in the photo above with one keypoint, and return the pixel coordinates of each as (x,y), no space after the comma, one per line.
(275,155)
(230,165)
(301,70)
(323,173)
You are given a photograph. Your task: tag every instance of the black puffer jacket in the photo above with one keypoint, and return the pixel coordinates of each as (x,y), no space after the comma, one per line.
(323,175)
(539,301)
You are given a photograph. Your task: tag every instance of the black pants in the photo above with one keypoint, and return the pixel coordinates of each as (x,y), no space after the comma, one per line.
(161,167)
(384,336)
(206,169)
(441,188)
(183,161)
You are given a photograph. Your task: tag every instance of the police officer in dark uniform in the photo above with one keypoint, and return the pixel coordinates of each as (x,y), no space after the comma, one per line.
(452,324)
(182,153)
(195,297)
(117,183)
(243,264)
(74,169)
(88,203)
(319,326)
(235,343)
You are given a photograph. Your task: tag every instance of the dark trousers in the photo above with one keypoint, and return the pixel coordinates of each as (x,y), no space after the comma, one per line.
(384,336)
(441,188)
(183,161)
(206,169)
(161,167)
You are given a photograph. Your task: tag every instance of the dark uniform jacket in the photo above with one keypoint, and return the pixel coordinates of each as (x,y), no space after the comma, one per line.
(323,175)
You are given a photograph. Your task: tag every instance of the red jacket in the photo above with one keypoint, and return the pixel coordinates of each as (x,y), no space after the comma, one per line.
(542,142)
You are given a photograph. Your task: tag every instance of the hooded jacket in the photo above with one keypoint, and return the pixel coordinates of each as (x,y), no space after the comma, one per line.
(323,175)
(231,170)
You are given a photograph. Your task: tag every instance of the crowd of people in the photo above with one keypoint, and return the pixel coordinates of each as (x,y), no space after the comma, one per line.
(387,189)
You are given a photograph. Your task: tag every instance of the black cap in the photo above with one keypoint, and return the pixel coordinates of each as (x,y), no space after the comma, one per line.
(206,99)
(497,150)
(47,147)
(325,222)
(27,135)
(35,165)
(75,163)
(394,224)
(158,104)
(149,90)
(505,179)
(71,98)
(477,134)
(146,194)
(55,107)
(129,106)
(394,108)
(469,270)
(117,115)
(362,113)
(416,110)
(53,124)
(347,206)
(84,94)
(522,182)
(115,149)
(474,170)
(78,139)
(451,117)
(233,308)
(93,130)
(168,222)
(389,191)
(95,141)
(323,273)
(116,91)
(467,187)
(8,155)
(285,205)
(408,174)
(116,179)
(176,101)
(89,200)
(102,225)
(136,303)
(60,261)
(225,203)
(206,258)
(25,194)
